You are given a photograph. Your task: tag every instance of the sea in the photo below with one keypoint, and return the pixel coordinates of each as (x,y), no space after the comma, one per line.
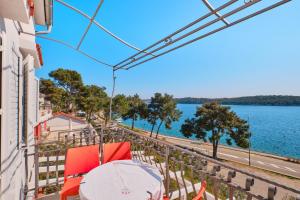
(275,129)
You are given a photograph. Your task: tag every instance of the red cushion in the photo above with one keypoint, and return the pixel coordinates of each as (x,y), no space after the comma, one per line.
(201,191)
(81,160)
(116,151)
(70,188)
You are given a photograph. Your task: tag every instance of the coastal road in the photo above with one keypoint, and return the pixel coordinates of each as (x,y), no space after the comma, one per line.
(267,162)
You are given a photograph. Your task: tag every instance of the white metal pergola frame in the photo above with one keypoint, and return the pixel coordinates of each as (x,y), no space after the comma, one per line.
(165,45)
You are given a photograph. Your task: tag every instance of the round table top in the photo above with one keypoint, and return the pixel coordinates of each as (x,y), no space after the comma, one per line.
(122,180)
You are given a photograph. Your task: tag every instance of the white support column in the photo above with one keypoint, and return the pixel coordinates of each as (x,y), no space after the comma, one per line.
(112,95)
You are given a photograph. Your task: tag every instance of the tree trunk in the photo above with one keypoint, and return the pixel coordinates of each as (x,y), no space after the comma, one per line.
(152,130)
(158,129)
(215,149)
(132,124)
(88,116)
(105,122)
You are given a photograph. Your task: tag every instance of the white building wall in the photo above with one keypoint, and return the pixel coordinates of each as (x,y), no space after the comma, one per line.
(12,165)
(65,123)
(13,176)
(32,94)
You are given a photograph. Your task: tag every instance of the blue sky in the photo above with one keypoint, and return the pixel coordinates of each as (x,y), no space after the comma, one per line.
(258,57)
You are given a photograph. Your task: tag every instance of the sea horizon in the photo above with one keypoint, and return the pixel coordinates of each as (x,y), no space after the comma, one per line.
(274,128)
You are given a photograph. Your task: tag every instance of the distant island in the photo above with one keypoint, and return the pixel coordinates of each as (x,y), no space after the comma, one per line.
(268,100)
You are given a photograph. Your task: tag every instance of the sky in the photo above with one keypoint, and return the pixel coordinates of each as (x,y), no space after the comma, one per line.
(258,57)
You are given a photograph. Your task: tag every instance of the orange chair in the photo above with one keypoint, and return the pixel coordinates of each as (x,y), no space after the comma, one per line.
(201,191)
(116,151)
(79,160)
(199,195)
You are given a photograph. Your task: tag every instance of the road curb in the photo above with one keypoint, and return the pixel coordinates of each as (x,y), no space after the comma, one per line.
(163,137)
(288,159)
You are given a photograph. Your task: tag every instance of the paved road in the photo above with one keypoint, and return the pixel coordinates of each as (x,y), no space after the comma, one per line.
(269,163)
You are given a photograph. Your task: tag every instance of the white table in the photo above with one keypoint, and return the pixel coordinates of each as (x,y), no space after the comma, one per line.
(122,180)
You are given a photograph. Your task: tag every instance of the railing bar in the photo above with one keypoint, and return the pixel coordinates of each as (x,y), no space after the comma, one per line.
(183,180)
(101,145)
(162,145)
(80,141)
(202,179)
(215,162)
(139,152)
(167,171)
(143,154)
(231,192)
(66,142)
(73,140)
(58,136)
(192,179)
(154,157)
(215,188)
(149,149)
(47,172)
(36,166)
(94,139)
(56,168)
(176,178)
(162,171)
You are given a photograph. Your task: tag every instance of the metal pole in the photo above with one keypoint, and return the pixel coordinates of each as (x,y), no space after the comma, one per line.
(99,25)
(112,95)
(176,32)
(89,25)
(211,8)
(208,24)
(71,47)
(125,66)
(249,143)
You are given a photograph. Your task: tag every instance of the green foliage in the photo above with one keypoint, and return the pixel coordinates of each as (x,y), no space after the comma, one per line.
(120,105)
(53,94)
(62,89)
(271,100)
(71,82)
(137,109)
(67,93)
(154,109)
(92,99)
(162,108)
(220,121)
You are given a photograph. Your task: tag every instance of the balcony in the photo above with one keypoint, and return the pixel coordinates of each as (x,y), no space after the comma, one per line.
(45,114)
(182,169)
(15,10)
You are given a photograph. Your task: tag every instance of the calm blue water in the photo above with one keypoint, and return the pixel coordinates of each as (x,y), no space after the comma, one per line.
(275,129)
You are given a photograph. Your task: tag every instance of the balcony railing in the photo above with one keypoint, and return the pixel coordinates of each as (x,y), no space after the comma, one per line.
(182,169)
